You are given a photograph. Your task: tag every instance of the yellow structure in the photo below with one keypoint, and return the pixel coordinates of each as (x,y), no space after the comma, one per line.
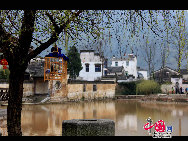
(55,68)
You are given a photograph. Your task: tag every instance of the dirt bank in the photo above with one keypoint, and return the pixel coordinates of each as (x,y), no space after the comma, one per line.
(156,97)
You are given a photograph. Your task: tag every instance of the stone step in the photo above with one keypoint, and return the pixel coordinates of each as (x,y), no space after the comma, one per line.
(44,100)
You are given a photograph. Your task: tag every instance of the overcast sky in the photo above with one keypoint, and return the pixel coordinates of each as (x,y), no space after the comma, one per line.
(127,45)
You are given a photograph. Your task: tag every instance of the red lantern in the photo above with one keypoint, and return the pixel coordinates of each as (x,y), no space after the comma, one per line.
(4,67)
(4,63)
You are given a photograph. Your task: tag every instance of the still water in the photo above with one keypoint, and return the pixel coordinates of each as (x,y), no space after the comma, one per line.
(129,116)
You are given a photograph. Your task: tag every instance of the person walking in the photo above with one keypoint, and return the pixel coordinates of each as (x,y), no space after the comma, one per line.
(183,90)
(180,90)
(186,90)
(177,87)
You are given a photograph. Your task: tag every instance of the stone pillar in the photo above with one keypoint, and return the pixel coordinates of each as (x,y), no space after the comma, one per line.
(88,127)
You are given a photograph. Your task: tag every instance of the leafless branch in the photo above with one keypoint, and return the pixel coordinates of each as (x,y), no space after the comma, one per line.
(54,36)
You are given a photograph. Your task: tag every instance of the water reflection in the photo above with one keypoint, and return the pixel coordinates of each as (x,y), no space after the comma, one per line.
(47,119)
(129,116)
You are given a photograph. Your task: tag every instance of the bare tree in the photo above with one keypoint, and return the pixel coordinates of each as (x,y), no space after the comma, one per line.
(21,30)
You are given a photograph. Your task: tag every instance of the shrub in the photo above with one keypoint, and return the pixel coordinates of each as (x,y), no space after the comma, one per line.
(127,88)
(4,74)
(146,87)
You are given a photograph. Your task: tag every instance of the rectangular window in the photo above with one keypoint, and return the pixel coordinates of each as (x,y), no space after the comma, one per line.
(87,67)
(94,87)
(116,64)
(97,67)
(126,73)
(84,88)
(127,63)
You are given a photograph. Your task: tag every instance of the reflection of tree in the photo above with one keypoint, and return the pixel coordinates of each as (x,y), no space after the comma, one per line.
(125,107)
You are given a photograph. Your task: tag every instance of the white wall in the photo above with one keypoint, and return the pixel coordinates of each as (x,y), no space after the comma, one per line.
(91,59)
(174,80)
(132,68)
(91,75)
(145,74)
(185,76)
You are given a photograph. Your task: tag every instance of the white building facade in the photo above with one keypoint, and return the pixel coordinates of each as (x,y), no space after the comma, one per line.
(92,66)
(129,63)
(144,73)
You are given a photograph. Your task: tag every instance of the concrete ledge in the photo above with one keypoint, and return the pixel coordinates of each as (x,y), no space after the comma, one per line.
(3,112)
(88,127)
(89,82)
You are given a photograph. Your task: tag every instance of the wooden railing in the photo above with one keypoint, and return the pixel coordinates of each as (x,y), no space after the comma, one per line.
(4,94)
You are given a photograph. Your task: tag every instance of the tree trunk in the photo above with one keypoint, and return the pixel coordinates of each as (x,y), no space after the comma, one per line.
(14,109)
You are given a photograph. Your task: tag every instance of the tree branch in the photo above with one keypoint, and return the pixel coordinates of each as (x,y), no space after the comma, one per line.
(53,22)
(27,30)
(54,36)
(139,13)
(5,43)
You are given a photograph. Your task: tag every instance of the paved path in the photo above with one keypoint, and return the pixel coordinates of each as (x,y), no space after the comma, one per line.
(3,112)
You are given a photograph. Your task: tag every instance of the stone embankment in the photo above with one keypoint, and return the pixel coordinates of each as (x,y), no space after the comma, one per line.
(156,97)
(3,122)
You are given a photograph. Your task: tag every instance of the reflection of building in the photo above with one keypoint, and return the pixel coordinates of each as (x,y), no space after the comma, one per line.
(128,122)
(47,119)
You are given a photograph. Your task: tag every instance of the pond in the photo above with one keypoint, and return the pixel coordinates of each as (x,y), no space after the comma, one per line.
(129,116)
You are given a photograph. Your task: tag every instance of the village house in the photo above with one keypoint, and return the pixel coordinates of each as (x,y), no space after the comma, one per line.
(167,74)
(142,73)
(36,71)
(129,63)
(93,65)
(117,71)
(184,73)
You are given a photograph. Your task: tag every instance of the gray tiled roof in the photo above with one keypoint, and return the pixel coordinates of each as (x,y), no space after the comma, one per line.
(114,69)
(36,69)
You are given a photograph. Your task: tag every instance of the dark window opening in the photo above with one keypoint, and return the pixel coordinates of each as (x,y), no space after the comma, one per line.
(94,87)
(98,68)
(84,88)
(87,67)
(116,64)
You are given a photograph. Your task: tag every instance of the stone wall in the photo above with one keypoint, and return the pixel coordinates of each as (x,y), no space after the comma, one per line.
(30,87)
(27,91)
(167,88)
(41,87)
(73,91)
(85,91)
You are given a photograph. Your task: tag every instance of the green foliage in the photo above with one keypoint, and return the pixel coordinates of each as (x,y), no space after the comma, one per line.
(143,87)
(146,87)
(129,88)
(74,64)
(4,74)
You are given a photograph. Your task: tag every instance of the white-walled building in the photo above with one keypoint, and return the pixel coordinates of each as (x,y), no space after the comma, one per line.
(143,72)
(129,63)
(92,65)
